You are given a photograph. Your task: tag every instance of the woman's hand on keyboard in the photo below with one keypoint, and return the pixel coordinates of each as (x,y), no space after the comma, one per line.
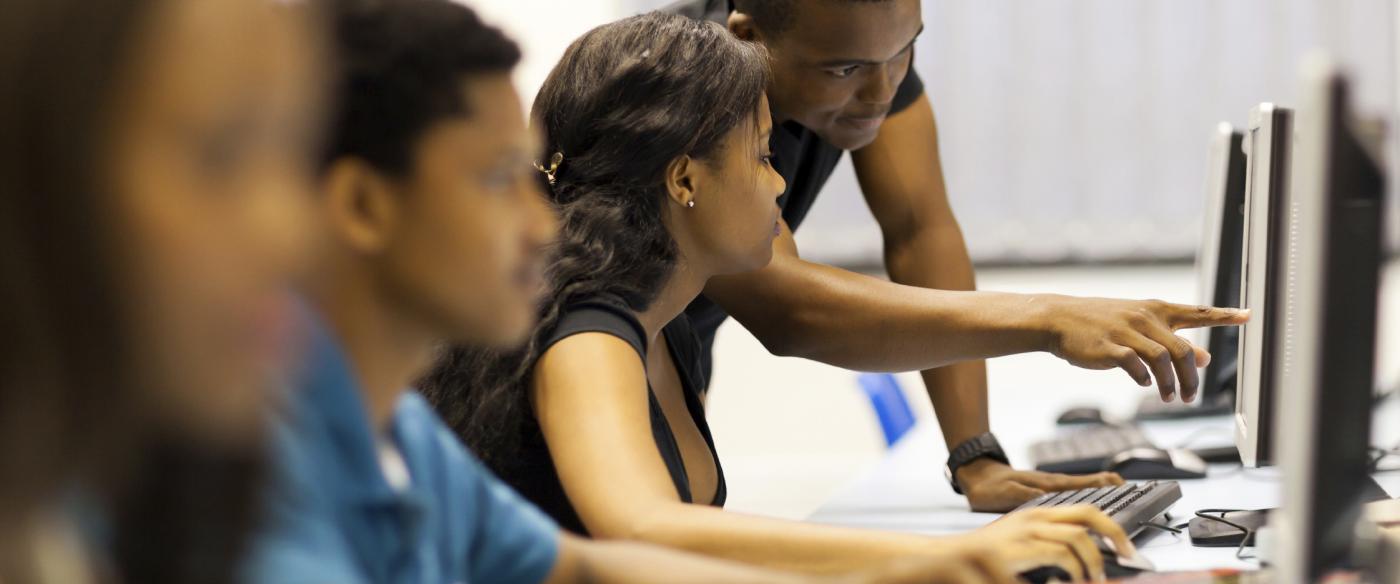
(1052,536)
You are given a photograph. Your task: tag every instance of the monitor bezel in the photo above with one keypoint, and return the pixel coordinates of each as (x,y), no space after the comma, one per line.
(1267,144)
(1327,347)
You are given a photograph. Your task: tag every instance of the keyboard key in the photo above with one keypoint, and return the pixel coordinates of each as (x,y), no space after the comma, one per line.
(1131,506)
(1114,495)
(1098,494)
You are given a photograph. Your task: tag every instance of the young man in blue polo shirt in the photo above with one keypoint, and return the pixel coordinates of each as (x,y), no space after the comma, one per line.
(435,225)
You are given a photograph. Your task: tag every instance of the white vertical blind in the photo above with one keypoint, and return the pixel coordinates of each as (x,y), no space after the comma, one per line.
(1077,129)
(1070,129)
(544,28)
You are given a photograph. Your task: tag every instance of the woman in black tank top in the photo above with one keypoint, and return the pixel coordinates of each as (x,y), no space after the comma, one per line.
(532,472)
(657,133)
(672,186)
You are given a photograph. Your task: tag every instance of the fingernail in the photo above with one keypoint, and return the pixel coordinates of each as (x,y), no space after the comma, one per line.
(1171,394)
(1113,547)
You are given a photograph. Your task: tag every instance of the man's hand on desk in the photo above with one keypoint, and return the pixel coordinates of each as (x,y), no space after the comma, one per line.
(994,487)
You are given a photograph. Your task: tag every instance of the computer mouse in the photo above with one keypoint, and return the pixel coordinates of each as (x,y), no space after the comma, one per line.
(1151,463)
(1045,575)
(1051,574)
(1114,567)
(1080,416)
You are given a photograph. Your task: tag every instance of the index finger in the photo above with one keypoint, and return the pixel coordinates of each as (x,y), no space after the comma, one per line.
(1096,520)
(1181,316)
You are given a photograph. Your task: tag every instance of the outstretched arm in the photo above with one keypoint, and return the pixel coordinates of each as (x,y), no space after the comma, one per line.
(901,176)
(805,309)
(583,561)
(590,394)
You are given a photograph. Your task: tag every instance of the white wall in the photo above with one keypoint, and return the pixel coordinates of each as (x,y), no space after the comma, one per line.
(1071,129)
(544,28)
(1077,129)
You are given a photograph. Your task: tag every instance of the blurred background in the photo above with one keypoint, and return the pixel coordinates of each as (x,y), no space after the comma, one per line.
(1074,136)
(1072,130)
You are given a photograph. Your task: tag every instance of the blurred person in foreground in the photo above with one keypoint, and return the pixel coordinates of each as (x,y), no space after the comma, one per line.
(154,171)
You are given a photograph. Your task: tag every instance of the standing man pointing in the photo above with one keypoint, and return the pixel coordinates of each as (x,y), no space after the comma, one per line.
(843,81)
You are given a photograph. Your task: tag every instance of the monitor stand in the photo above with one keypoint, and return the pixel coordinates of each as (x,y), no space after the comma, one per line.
(1206,532)
(1217,399)
(1152,408)
(1371,491)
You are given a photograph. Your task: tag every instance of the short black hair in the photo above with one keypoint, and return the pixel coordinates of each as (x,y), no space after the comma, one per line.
(402,67)
(775,16)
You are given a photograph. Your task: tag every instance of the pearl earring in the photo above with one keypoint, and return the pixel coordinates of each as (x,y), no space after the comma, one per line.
(690,204)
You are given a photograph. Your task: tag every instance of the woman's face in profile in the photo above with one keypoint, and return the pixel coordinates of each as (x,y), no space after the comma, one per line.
(210,168)
(737,211)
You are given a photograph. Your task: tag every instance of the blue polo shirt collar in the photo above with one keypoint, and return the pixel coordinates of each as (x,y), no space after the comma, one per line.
(337,400)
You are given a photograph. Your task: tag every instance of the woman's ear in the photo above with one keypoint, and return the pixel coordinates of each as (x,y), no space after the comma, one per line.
(360,206)
(743,26)
(682,180)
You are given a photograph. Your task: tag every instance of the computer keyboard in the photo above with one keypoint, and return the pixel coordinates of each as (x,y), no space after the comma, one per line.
(1088,450)
(1132,506)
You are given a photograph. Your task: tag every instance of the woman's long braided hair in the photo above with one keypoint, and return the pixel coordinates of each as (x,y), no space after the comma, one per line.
(626,100)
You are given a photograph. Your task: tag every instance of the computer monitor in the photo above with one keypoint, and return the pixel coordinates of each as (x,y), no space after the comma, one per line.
(1267,146)
(1218,263)
(1327,339)
(1218,275)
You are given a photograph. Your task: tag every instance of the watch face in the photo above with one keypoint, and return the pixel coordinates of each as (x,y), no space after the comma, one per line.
(987,442)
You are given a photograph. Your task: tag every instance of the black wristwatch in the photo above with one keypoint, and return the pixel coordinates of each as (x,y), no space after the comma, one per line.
(980,446)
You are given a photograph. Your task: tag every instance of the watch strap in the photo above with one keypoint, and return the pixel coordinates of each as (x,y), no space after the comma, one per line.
(981,446)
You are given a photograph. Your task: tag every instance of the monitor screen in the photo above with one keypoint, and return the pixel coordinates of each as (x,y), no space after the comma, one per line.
(1267,146)
(1218,261)
(1327,345)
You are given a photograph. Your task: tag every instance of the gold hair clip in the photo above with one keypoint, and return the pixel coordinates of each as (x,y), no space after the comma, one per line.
(554,162)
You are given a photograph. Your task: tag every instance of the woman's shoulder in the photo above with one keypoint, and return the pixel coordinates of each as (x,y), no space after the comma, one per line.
(598,314)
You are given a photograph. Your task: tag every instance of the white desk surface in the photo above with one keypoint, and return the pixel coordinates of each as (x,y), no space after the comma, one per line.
(906,491)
